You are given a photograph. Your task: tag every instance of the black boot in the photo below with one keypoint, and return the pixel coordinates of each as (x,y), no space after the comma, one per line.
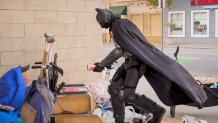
(158,114)
(118,108)
(146,105)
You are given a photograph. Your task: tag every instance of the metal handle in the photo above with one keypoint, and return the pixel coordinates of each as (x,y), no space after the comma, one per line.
(38,62)
(36,67)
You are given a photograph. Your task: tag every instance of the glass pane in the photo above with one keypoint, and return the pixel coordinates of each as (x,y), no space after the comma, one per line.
(176,27)
(180,16)
(197,15)
(174,16)
(204,15)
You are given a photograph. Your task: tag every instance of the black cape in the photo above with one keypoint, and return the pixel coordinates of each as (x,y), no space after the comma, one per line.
(172,83)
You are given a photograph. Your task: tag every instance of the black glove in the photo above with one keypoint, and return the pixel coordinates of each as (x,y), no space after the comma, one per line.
(98,68)
(109,67)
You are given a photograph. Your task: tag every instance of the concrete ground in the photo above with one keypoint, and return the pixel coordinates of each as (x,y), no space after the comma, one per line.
(209,114)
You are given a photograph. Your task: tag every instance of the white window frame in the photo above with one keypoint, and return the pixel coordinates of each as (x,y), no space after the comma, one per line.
(208,23)
(216,24)
(169,19)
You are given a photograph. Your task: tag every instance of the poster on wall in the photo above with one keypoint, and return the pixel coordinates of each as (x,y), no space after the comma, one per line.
(200,24)
(176,24)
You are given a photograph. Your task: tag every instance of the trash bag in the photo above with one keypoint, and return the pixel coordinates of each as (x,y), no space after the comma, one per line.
(99,90)
(108,117)
(41,99)
(130,114)
(190,119)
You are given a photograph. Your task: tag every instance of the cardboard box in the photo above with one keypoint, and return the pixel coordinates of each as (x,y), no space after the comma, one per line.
(28,113)
(171,121)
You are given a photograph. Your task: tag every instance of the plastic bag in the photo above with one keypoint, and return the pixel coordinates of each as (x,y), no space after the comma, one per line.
(215,85)
(106,106)
(108,75)
(98,112)
(130,114)
(108,117)
(100,91)
(190,119)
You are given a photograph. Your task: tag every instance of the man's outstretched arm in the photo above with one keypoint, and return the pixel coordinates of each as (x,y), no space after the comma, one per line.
(110,59)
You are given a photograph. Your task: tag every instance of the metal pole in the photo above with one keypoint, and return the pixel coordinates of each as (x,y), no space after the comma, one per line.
(162,39)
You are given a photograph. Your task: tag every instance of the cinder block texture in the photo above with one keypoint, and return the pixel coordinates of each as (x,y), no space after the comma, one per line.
(11,30)
(66,17)
(46,17)
(23,16)
(56,5)
(12,58)
(72,22)
(76,5)
(6,16)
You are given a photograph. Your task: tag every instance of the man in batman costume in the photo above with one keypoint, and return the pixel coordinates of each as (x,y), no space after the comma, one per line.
(171,82)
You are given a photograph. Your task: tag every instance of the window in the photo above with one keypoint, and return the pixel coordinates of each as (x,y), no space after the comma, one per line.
(216,31)
(200,23)
(176,24)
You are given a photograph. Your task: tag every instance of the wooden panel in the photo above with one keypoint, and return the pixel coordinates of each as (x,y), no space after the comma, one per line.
(154,39)
(146,24)
(156,27)
(138,21)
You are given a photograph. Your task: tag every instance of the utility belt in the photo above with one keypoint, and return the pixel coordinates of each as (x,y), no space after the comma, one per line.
(133,62)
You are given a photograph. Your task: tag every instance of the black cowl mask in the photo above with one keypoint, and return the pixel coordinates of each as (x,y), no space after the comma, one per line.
(104,17)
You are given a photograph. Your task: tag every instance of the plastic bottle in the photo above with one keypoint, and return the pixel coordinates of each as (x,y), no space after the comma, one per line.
(107,75)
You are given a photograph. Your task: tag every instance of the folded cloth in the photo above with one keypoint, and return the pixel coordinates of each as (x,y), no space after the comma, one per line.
(8,117)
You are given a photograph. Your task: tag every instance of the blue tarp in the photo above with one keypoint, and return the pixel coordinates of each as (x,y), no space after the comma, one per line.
(12,93)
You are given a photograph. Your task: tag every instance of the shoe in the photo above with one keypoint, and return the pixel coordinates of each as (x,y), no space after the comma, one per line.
(158,115)
(148,118)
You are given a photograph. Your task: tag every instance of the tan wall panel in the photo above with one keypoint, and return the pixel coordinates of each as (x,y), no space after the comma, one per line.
(73,24)
(154,39)
(138,21)
(155,20)
(146,24)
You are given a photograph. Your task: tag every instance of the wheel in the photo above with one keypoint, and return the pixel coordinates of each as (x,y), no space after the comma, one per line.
(172,111)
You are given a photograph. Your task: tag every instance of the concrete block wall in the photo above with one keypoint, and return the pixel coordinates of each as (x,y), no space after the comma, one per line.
(72,22)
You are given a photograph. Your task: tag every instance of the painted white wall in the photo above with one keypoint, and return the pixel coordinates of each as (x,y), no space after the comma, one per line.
(216,22)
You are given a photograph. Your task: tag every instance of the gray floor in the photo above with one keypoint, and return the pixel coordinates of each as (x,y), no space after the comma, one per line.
(208,114)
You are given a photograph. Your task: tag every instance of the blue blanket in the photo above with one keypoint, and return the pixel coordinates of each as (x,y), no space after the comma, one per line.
(12,89)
